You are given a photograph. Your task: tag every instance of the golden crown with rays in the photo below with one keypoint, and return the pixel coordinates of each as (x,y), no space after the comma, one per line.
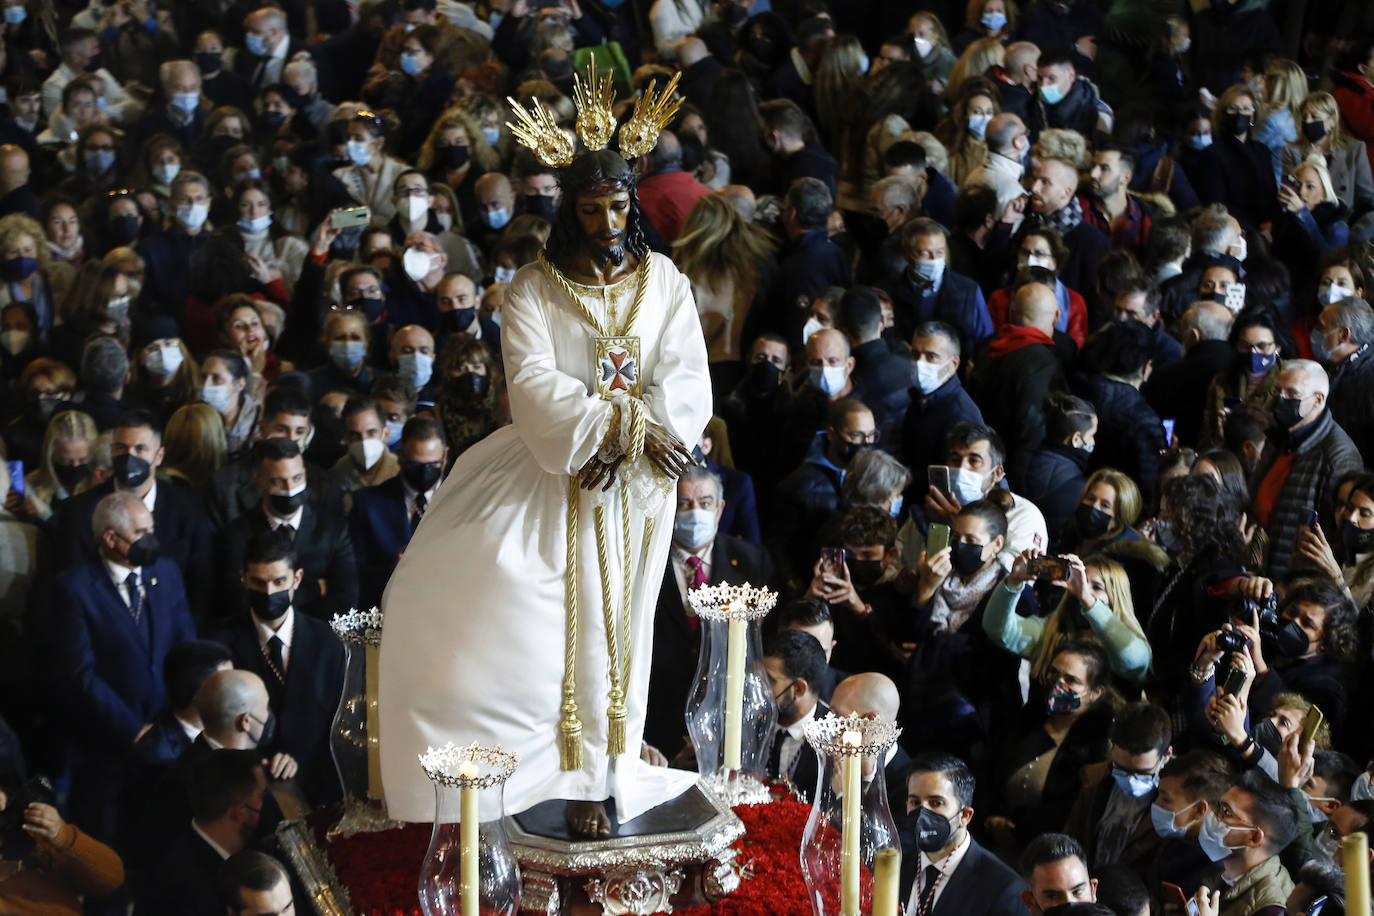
(536,129)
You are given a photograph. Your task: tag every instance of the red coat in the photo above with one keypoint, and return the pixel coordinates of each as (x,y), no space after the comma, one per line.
(1355,96)
(666,198)
(1000,301)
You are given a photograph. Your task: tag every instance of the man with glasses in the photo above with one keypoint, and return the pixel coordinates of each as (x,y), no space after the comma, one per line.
(795,663)
(1253,822)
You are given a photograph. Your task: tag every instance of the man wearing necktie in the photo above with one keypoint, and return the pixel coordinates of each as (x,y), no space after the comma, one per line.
(795,663)
(114,621)
(949,871)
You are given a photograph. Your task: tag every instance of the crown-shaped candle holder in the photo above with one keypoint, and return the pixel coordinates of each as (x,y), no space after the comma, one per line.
(354,735)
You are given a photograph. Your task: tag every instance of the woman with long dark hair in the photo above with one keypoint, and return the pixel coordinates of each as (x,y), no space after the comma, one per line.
(733,122)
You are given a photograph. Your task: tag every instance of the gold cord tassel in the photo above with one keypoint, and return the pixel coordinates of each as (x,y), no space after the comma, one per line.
(570,726)
(615,723)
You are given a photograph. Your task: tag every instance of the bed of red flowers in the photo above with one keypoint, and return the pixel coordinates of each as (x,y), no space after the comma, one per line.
(380,870)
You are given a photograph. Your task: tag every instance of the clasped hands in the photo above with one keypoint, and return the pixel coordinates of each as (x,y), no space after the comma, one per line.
(661,447)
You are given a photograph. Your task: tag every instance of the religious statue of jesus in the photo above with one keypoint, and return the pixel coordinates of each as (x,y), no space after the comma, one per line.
(522,611)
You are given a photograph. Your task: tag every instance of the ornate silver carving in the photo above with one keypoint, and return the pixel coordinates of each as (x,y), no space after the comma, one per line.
(539,893)
(720,879)
(637,891)
(362,628)
(312,866)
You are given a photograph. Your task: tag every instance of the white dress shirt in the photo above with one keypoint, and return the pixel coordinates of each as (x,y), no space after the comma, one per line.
(411,493)
(274,62)
(948,867)
(294,519)
(793,740)
(680,555)
(150,498)
(219,850)
(284,631)
(118,573)
(191,731)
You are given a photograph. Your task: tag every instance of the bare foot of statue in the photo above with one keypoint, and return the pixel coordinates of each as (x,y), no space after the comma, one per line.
(588,819)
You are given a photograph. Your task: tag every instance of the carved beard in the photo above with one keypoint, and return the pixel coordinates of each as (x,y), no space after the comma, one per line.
(608,255)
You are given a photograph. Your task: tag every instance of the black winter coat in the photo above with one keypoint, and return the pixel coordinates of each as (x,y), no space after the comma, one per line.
(1129,433)
(1054,481)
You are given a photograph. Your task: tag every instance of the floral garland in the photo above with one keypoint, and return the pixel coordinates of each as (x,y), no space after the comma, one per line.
(379,869)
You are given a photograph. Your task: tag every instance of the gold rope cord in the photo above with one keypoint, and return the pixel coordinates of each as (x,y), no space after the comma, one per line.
(618,645)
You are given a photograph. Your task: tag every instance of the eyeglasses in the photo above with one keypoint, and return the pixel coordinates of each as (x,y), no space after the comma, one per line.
(862,438)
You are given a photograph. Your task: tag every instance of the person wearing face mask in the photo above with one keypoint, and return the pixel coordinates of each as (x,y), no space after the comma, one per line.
(1237,170)
(371,173)
(1111,818)
(795,663)
(226,389)
(63,471)
(386,515)
(938,399)
(952,873)
(368,461)
(182,114)
(1118,361)
(809,263)
(1324,133)
(46,387)
(412,358)
(164,374)
(870,616)
(928,290)
(415,299)
(1252,823)
(1008,142)
(297,656)
(830,379)
(495,204)
(1190,785)
(757,410)
(169,251)
(456,299)
(1066,98)
(114,619)
(702,554)
(1063,727)
(1056,472)
(20,342)
(318,533)
(1301,460)
(1346,329)
(346,335)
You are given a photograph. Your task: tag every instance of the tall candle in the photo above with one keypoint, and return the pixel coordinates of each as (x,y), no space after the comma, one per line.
(851,826)
(371,658)
(734,692)
(468,842)
(887,869)
(1355,861)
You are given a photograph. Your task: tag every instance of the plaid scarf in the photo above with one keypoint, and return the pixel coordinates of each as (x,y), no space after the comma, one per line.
(1066,218)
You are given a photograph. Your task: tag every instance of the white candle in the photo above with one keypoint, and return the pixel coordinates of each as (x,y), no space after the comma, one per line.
(371,658)
(851,826)
(734,692)
(468,842)
(1355,861)
(887,868)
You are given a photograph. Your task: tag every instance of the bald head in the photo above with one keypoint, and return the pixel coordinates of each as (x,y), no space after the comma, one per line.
(1002,131)
(14,167)
(1209,320)
(827,342)
(741,197)
(493,191)
(1021,61)
(691,50)
(868,695)
(1034,306)
(233,707)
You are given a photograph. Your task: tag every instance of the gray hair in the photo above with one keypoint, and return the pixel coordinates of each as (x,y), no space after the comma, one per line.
(1356,314)
(896,191)
(872,477)
(302,63)
(699,472)
(104,365)
(1212,230)
(1312,370)
(167,72)
(1212,320)
(225,696)
(941,329)
(113,512)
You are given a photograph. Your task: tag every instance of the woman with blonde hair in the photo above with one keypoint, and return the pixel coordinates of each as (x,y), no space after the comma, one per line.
(1312,220)
(1237,170)
(727,260)
(28,270)
(1285,86)
(456,153)
(977,59)
(932,48)
(1097,606)
(838,78)
(65,468)
(963,130)
(1320,131)
(997,19)
(195,446)
(165,376)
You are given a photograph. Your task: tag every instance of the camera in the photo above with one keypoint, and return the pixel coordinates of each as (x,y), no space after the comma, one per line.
(1232,641)
(1283,636)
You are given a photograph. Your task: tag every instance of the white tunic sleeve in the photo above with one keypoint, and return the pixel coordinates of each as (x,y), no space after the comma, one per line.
(678,393)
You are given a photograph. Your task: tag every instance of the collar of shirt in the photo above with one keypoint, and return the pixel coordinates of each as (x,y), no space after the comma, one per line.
(950,862)
(191,731)
(214,745)
(284,632)
(803,70)
(118,572)
(702,553)
(797,729)
(219,850)
(947,868)
(294,519)
(150,498)
(411,493)
(279,52)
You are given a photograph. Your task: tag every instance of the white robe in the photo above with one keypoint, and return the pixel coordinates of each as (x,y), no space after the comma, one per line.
(473,641)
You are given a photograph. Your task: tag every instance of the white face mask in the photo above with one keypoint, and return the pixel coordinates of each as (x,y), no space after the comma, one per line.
(968,485)
(417,264)
(163,361)
(193,216)
(811,327)
(1336,294)
(165,172)
(445,220)
(829,379)
(417,367)
(1040,260)
(929,376)
(923,47)
(366,452)
(416,207)
(358,152)
(503,274)
(217,396)
(256,225)
(13,342)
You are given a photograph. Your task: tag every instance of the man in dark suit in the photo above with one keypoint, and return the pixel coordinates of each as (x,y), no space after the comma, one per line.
(808,264)
(183,535)
(700,555)
(228,790)
(1178,391)
(385,516)
(114,622)
(299,658)
(795,663)
(952,873)
(927,289)
(871,695)
(883,376)
(323,548)
(938,400)
(268,46)
(185,668)
(812,615)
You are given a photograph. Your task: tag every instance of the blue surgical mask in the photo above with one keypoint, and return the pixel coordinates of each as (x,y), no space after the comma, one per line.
(358,152)
(497,219)
(164,172)
(978,124)
(829,379)
(393,434)
(1165,821)
(693,528)
(1212,837)
(99,160)
(491,134)
(255,44)
(186,101)
(257,225)
(416,367)
(930,271)
(896,507)
(347,354)
(503,274)
(1200,141)
(15,15)
(1135,785)
(968,485)
(1318,341)
(410,64)
(217,396)
(993,21)
(1053,94)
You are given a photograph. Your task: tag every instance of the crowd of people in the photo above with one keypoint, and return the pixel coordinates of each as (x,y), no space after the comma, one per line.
(1043,386)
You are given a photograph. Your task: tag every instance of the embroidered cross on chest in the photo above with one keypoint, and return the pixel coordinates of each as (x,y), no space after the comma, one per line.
(617,367)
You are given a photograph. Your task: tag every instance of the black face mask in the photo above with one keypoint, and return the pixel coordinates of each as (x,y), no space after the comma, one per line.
(1313,131)
(1287,639)
(933,832)
(269,607)
(1355,540)
(470,385)
(850,450)
(764,378)
(208,61)
(457,320)
(143,552)
(421,475)
(864,573)
(1239,123)
(1266,735)
(1092,522)
(541,206)
(453,157)
(123,229)
(1288,412)
(269,730)
(966,558)
(370,307)
(130,471)
(71,475)
(284,504)
(272,120)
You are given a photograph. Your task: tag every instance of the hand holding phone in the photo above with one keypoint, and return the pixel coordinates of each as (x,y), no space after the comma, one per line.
(353,216)
(832,562)
(1310,724)
(1051,568)
(17,476)
(937,540)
